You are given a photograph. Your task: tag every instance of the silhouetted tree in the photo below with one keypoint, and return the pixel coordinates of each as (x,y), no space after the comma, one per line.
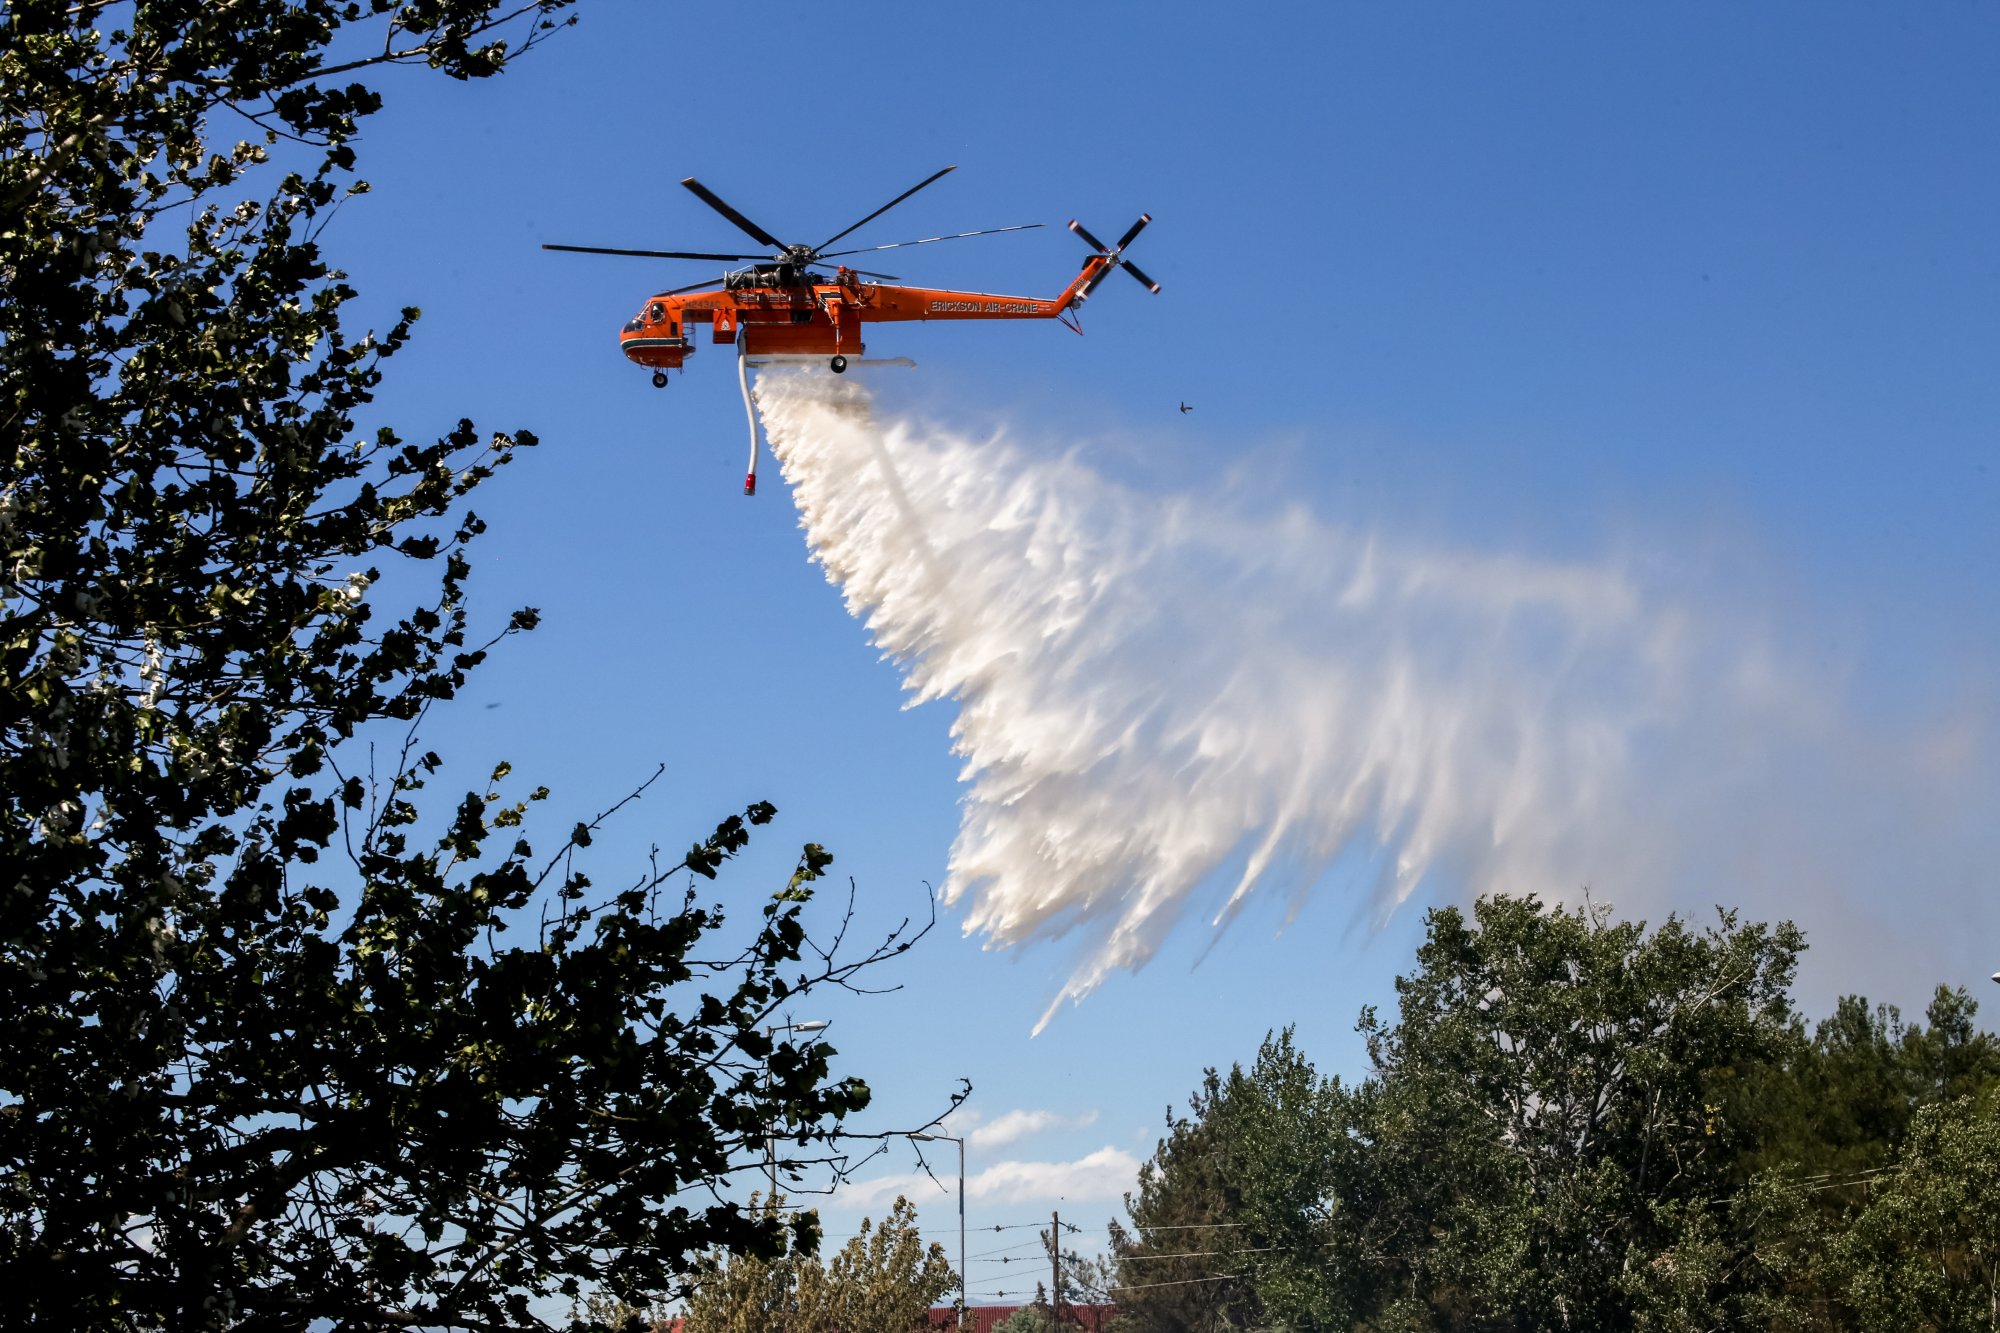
(287,1038)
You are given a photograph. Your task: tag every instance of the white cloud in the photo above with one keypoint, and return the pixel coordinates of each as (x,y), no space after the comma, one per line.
(1104,1175)
(912,1185)
(1021,1123)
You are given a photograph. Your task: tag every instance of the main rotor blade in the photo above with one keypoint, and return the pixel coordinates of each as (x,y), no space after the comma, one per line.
(691,287)
(1088,239)
(955,236)
(1135,229)
(646,254)
(714,201)
(883,209)
(1133,269)
(886,277)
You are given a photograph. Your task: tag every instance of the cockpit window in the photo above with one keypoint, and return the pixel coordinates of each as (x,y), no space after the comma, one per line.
(656,312)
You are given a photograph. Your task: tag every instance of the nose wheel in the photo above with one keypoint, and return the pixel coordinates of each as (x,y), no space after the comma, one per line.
(838,365)
(659,379)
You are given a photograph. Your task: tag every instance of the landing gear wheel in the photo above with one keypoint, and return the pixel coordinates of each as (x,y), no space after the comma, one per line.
(659,379)
(839,364)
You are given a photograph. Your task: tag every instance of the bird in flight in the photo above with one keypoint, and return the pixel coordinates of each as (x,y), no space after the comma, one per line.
(1185,409)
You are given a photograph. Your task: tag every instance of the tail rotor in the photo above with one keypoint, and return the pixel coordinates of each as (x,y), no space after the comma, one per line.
(1115,254)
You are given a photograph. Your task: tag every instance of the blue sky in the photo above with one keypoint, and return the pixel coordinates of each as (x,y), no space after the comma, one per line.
(1700,299)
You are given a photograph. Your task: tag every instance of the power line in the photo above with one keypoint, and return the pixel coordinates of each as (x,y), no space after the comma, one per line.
(1189,1226)
(943,1232)
(1200,1254)
(948,1231)
(1188,1282)
(1006,1249)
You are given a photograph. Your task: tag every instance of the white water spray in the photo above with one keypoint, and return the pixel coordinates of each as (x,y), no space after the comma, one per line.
(1171,700)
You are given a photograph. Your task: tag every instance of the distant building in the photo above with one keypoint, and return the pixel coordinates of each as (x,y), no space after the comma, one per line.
(984,1318)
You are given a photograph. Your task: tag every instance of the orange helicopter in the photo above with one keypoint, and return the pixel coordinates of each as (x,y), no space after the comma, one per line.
(780,310)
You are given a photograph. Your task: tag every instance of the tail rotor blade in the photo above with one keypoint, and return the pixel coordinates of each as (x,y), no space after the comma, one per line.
(1115,254)
(1145,281)
(1088,239)
(714,201)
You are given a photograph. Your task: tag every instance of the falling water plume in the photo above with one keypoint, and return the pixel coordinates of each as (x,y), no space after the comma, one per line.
(1165,700)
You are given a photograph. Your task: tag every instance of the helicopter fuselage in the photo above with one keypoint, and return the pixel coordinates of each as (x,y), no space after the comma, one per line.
(781,309)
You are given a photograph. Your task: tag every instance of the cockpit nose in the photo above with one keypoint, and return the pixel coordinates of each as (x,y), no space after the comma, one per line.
(654,313)
(654,337)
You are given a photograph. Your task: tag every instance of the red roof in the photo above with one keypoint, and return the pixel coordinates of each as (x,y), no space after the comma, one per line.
(983,1318)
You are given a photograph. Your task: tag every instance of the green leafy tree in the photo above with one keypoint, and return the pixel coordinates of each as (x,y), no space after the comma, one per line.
(610,1312)
(1920,1249)
(752,1293)
(1035,1317)
(1924,1253)
(269,1058)
(1294,1163)
(1841,1108)
(885,1278)
(1842,1118)
(1542,1126)
(1177,1266)
(1581,1123)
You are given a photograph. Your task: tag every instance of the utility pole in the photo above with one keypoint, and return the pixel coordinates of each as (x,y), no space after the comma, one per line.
(1055,1266)
(932,1138)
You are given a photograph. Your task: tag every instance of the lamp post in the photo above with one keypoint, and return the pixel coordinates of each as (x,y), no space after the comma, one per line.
(770,1158)
(947,1138)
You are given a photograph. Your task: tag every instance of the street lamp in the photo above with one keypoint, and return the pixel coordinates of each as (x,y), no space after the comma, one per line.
(947,1138)
(770,1159)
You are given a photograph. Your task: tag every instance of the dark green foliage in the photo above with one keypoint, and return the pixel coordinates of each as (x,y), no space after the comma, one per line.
(1577,1123)
(1841,1108)
(285,1039)
(1186,1227)
(1559,1092)
(1857,1124)
(1924,1251)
